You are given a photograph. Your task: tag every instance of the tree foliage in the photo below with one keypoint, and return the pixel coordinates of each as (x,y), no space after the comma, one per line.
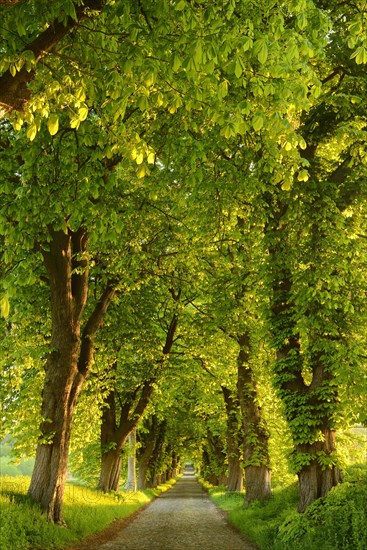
(183,190)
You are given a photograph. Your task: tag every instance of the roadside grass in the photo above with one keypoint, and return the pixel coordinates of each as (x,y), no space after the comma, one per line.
(335,522)
(86,511)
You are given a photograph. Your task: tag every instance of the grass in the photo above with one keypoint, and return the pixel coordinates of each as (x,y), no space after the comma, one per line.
(86,511)
(260,521)
(335,522)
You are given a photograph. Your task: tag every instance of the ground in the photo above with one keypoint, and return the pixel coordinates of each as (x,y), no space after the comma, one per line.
(181,519)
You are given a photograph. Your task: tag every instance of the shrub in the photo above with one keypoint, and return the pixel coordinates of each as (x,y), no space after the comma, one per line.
(337,521)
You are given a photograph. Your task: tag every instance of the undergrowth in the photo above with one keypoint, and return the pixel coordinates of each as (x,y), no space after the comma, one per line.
(335,522)
(86,511)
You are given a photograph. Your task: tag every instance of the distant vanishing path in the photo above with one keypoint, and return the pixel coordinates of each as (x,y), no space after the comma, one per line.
(181,519)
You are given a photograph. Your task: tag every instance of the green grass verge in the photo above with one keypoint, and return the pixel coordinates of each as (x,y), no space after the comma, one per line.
(335,522)
(86,511)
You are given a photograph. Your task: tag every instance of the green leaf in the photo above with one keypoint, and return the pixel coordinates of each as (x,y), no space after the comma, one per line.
(263,53)
(302,20)
(198,55)
(180,5)
(238,68)
(53,124)
(261,50)
(257,122)
(247,45)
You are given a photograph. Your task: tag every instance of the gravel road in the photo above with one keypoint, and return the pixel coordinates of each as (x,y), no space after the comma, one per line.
(181,519)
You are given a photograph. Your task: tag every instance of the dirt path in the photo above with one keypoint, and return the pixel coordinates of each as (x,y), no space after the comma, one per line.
(181,519)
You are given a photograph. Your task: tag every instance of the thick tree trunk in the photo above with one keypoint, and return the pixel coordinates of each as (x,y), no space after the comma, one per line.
(67,364)
(256,435)
(109,479)
(131,462)
(257,483)
(49,473)
(310,403)
(235,473)
(316,481)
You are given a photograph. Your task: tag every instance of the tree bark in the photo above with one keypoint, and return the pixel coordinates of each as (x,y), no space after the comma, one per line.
(256,435)
(67,364)
(114,435)
(145,452)
(235,474)
(131,462)
(215,461)
(316,481)
(311,404)
(109,479)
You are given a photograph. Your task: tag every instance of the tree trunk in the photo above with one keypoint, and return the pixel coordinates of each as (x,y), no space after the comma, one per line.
(215,461)
(109,479)
(67,364)
(256,435)
(257,483)
(114,434)
(310,402)
(131,462)
(316,481)
(235,474)
(49,473)
(145,453)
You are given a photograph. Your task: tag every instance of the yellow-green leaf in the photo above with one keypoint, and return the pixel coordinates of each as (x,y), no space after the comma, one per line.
(53,124)
(82,112)
(75,123)
(32,131)
(303,175)
(361,57)
(139,158)
(4,306)
(141,172)
(149,80)
(151,158)
(286,186)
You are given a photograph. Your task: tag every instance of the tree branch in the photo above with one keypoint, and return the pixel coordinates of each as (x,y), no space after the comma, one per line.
(92,325)
(14,92)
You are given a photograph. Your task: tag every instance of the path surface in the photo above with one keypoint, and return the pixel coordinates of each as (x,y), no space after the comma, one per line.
(181,519)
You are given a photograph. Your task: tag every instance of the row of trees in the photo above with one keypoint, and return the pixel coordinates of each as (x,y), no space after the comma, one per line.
(182,205)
